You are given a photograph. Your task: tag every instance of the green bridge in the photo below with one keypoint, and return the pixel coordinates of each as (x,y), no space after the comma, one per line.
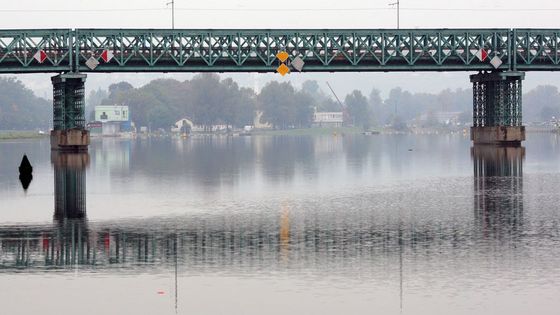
(160,50)
(500,56)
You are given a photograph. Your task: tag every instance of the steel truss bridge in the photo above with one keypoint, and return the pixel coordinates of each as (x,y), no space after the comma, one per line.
(163,50)
(499,55)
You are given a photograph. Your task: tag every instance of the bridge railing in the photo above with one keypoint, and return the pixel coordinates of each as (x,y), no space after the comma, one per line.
(18,48)
(537,49)
(321,50)
(160,50)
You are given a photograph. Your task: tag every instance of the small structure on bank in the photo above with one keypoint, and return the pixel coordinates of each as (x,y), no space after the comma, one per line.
(114,119)
(328,119)
(183,126)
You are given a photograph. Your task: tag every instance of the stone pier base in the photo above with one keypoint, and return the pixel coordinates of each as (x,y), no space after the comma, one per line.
(73,140)
(501,135)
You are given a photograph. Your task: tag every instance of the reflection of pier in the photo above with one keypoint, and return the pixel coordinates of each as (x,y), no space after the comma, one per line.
(69,184)
(307,243)
(498,188)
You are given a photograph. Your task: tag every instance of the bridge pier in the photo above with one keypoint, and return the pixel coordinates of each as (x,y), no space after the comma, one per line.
(69,133)
(497,105)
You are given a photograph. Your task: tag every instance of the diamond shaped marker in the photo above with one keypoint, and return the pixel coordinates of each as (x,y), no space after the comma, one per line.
(283,69)
(298,63)
(496,62)
(107,55)
(92,63)
(40,56)
(282,56)
(482,54)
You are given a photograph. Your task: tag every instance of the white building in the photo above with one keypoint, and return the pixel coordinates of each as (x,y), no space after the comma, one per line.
(328,119)
(183,122)
(114,119)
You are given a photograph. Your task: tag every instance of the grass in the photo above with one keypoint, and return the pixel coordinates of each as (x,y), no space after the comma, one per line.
(308,131)
(9,135)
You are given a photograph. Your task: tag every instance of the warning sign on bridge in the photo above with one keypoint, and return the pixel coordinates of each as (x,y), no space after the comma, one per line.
(40,56)
(482,54)
(107,55)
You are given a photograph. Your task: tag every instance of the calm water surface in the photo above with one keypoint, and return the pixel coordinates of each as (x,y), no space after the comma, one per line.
(282,225)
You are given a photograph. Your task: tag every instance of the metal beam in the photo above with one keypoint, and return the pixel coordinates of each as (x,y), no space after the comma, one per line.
(246,50)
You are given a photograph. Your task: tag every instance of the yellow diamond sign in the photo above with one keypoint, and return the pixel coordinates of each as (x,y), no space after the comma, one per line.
(282,56)
(283,69)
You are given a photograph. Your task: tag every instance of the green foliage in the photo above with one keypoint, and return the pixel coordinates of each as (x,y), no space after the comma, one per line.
(20,109)
(205,99)
(284,107)
(541,104)
(358,109)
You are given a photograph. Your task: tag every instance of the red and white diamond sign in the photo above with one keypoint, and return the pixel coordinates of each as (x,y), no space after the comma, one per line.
(482,54)
(40,56)
(107,55)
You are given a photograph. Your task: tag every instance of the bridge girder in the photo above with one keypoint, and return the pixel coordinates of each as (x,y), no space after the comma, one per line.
(164,50)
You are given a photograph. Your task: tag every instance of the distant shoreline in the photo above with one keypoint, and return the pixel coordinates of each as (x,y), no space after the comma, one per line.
(307,131)
(14,135)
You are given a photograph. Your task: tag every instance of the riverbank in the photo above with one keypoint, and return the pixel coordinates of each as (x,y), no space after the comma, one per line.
(11,135)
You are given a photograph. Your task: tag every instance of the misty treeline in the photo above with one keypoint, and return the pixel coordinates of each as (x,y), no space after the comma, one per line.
(20,109)
(208,100)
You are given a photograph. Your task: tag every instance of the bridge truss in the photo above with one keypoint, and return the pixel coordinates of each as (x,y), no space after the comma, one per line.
(161,50)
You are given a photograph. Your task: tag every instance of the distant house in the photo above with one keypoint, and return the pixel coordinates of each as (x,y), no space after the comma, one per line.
(328,119)
(114,119)
(184,125)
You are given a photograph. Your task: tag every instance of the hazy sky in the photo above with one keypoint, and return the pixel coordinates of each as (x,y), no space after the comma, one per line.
(286,14)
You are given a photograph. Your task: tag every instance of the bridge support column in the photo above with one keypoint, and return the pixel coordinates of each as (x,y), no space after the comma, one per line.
(497,108)
(69,133)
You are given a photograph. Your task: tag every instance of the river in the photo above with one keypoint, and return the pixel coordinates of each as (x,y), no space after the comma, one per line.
(382,224)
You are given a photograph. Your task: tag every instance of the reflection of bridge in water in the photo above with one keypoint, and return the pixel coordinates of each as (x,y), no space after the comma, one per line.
(295,239)
(498,183)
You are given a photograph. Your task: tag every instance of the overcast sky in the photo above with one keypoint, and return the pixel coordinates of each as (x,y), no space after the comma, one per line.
(286,14)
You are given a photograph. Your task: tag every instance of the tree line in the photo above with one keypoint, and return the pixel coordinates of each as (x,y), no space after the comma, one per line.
(20,109)
(207,99)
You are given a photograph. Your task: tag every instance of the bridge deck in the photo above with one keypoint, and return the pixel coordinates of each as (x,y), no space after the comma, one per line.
(329,50)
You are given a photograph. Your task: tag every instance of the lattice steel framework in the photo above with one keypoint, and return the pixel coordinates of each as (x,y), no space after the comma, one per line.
(68,101)
(497,99)
(322,50)
(17,48)
(148,50)
(536,49)
(143,50)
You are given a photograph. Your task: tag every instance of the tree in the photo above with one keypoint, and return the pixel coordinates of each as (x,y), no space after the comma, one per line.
(541,103)
(375,105)
(304,109)
(283,107)
(329,105)
(276,100)
(20,109)
(357,106)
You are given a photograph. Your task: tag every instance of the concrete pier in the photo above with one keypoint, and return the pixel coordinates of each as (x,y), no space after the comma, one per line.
(73,140)
(497,108)
(69,133)
(501,136)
